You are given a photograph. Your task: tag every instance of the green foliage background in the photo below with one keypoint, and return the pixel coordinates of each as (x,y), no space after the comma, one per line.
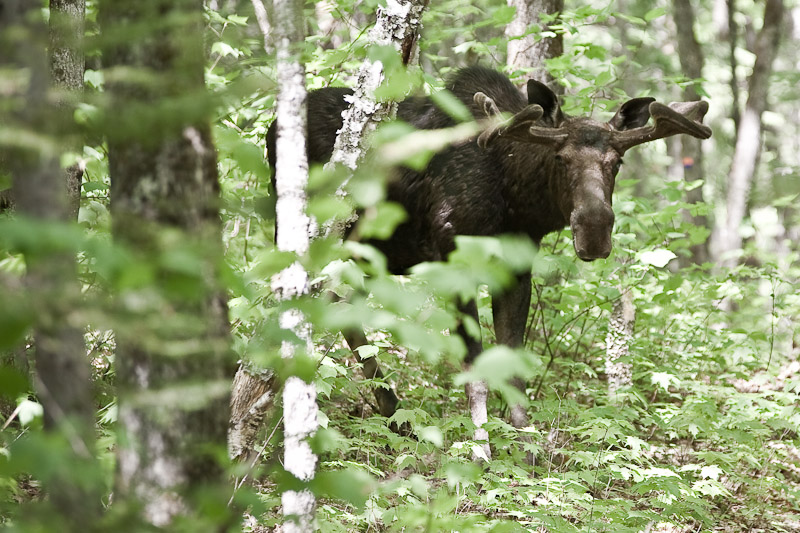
(701,441)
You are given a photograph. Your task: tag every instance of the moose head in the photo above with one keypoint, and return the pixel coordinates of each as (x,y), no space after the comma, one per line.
(583,156)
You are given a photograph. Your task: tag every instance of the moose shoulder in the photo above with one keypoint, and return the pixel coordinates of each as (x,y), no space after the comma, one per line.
(532,174)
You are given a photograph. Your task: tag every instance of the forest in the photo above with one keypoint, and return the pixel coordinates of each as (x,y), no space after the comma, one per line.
(379,265)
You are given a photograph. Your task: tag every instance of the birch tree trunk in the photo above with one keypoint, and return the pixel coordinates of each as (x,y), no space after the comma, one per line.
(173,346)
(727,239)
(63,382)
(618,339)
(691,58)
(293,235)
(525,51)
(398,24)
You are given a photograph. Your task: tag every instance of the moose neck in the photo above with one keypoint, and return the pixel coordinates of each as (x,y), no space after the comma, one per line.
(530,188)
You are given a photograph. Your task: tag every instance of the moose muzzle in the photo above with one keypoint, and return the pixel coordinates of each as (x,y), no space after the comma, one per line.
(591,231)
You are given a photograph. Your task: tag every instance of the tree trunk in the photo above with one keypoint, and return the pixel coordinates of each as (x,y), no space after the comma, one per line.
(294,235)
(67,66)
(691,57)
(172,332)
(524,50)
(397,24)
(618,340)
(748,137)
(62,371)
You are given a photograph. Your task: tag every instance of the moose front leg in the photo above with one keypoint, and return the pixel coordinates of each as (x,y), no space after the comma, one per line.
(510,311)
(477,391)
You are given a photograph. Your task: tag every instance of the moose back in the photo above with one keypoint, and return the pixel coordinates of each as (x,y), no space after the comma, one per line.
(532,174)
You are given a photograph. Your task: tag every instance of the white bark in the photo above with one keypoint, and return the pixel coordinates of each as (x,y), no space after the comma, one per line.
(727,239)
(740,179)
(478,395)
(397,24)
(361,117)
(618,340)
(253,388)
(293,235)
(719,16)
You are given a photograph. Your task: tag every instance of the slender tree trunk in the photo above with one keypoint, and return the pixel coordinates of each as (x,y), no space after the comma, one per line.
(294,235)
(67,67)
(172,333)
(691,57)
(525,51)
(748,137)
(398,24)
(62,372)
(620,334)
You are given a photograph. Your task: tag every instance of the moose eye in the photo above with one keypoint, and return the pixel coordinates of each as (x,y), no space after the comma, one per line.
(616,167)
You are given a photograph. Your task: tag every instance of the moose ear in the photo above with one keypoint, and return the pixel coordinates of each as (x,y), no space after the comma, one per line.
(540,94)
(633,114)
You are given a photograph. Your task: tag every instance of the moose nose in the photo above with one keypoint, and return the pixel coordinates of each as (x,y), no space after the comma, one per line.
(591,231)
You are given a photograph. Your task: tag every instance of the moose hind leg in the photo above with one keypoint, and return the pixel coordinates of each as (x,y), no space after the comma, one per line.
(478,391)
(385,397)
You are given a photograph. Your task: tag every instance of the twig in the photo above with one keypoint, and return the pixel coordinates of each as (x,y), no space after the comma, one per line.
(263,22)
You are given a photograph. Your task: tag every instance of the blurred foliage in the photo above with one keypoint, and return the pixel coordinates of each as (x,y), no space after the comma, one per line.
(705,439)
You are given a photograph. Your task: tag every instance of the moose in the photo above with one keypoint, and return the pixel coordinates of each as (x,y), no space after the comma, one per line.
(531,174)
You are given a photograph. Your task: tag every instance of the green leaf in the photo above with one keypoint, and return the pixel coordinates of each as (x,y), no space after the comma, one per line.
(351,485)
(664,380)
(451,105)
(633,20)
(654,14)
(95,78)
(657,258)
(12,382)
(94,186)
(238,20)
(28,411)
(409,416)
(504,15)
(432,434)
(712,472)
(367,351)
(604,78)
(710,488)
(16,317)
(224,49)
(380,221)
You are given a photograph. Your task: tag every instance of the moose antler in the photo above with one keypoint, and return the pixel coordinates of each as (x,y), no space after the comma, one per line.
(519,127)
(674,119)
